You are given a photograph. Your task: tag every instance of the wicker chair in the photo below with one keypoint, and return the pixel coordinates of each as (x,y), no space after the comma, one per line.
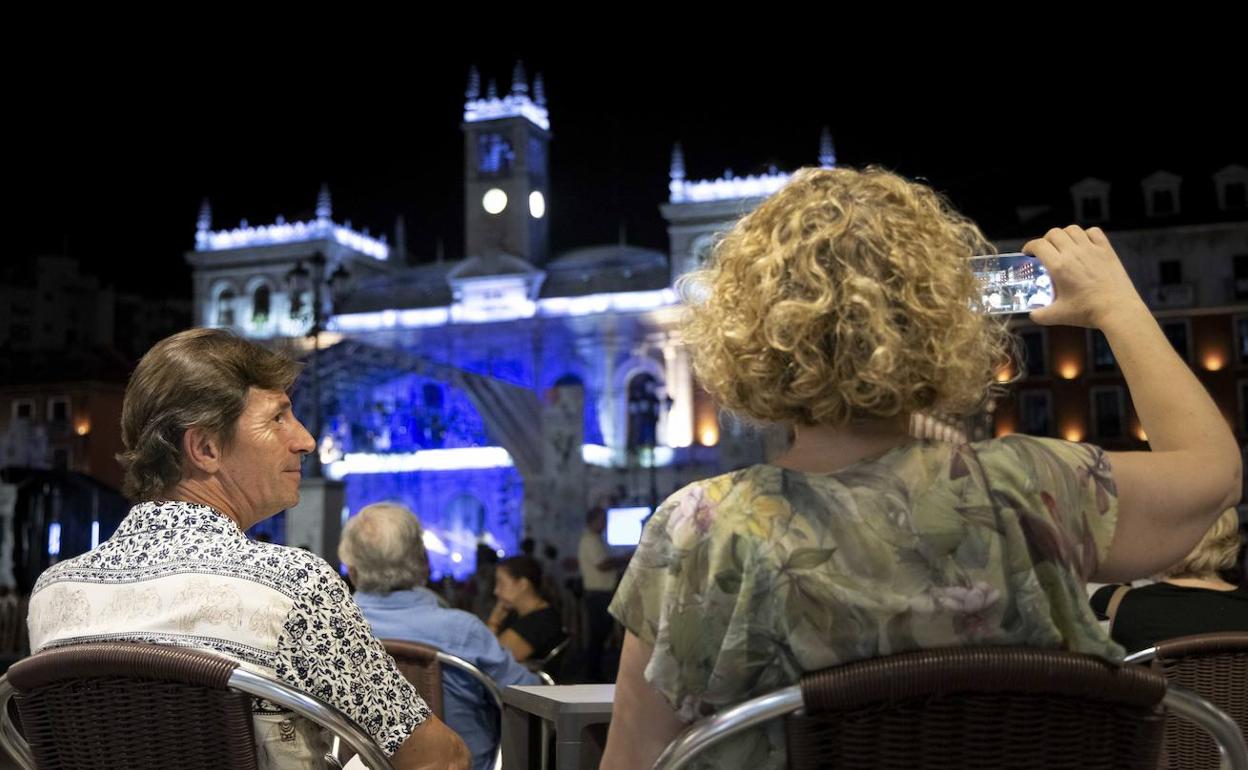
(422,665)
(1215,667)
(109,705)
(967,708)
(419,663)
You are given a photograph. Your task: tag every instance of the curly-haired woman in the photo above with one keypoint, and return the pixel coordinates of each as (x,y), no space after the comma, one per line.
(841,307)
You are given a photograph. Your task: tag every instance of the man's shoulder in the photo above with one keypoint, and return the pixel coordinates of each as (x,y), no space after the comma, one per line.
(57,571)
(295,568)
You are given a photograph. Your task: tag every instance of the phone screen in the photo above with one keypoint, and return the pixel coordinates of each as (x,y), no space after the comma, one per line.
(1012,283)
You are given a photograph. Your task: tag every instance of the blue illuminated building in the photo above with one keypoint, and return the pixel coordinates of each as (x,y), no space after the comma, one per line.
(490,393)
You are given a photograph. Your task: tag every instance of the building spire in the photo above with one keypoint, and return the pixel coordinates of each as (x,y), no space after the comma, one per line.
(827,155)
(491,90)
(519,80)
(324,204)
(677,172)
(204,223)
(473,92)
(539,90)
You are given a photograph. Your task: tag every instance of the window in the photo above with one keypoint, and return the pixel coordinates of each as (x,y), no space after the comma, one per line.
(1235,196)
(1034,360)
(24,409)
(1035,412)
(1176,332)
(1107,411)
(1171,272)
(1091,209)
(1102,356)
(1162,203)
(1241,334)
(1239,269)
(58,409)
(225,308)
(260,301)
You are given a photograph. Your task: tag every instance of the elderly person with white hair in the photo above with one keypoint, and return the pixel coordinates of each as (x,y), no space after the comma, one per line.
(383,549)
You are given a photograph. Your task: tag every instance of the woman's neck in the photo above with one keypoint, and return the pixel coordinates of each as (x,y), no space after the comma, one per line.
(1211,582)
(826,448)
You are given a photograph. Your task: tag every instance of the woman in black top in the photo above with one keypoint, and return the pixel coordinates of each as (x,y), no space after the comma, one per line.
(523,619)
(1189,598)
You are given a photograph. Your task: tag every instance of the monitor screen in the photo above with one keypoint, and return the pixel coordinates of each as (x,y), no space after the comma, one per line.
(624,525)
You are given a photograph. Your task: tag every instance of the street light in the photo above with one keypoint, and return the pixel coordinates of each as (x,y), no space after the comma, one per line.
(301,279)
(644,405)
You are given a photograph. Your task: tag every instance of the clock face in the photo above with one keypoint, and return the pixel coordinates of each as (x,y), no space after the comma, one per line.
(494,155)
(537,204)
(494,201)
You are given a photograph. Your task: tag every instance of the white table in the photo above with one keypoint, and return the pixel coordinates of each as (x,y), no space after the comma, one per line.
(576,714)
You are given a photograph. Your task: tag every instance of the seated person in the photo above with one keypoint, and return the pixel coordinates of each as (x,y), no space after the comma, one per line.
(523,618)
(212,447)
(1190,596)
(383,549)
(839,307)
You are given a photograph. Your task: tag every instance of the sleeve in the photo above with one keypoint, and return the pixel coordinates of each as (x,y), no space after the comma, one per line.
(688,592)
(1065,496)
(328,650)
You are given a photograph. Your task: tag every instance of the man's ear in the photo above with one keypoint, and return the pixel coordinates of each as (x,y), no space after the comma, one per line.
(202,449)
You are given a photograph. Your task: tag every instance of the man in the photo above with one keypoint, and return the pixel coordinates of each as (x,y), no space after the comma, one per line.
(383,549)
(211,448)
(599,574)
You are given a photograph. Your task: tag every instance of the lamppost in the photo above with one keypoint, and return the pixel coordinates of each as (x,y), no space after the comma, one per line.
(644,404)
(301,279)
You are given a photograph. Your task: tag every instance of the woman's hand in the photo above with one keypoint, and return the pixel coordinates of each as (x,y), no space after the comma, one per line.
(1089,281)
(500,612)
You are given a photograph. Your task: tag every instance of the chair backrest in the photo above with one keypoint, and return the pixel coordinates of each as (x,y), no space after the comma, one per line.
(1215,667)
(552,662)
(141,705)
(419,664)
(397,647)
(965,708)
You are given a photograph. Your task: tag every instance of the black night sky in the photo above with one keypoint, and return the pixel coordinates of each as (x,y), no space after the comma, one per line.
(110,165)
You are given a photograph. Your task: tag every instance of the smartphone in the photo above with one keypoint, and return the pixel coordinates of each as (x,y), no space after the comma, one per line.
(1012,283)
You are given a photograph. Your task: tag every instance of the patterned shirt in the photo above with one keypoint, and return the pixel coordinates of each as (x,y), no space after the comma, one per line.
(184,574)
(745,581)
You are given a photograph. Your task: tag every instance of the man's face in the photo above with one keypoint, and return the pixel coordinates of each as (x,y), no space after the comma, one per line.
(260,470)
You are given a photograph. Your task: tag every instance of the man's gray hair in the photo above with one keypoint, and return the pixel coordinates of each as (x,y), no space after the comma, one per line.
(383,545)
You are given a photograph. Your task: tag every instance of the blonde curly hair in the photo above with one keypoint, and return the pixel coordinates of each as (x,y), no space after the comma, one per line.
(1216,551)
(846,295)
